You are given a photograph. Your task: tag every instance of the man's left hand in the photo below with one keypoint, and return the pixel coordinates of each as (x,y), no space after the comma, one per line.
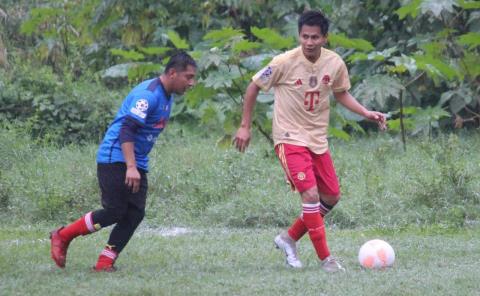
(379,118)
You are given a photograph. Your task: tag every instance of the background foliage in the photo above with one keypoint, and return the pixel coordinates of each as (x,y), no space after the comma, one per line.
(417,60)
(65,66)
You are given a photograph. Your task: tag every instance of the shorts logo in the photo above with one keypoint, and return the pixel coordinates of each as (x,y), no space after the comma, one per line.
(141,105)
(301,176)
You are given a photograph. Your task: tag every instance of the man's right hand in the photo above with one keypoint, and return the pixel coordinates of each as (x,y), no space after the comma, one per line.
(242,139)
(132,179)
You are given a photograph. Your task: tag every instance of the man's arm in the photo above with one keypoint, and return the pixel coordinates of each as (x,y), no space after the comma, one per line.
(132,178)
(127,139)
(349,102)
(242,137)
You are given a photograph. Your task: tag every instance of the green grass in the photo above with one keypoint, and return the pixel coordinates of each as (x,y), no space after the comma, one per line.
(425,202)
(227,261)
(192,182)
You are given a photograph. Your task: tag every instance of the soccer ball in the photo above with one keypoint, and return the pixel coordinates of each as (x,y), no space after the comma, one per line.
(376,254)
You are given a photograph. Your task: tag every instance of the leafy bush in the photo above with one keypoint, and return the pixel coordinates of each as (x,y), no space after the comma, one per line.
(55,108)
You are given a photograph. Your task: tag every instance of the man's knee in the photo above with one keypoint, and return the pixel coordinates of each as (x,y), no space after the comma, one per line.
(330,199)
(136,216)
(113,215)
(310,196)
(108,216)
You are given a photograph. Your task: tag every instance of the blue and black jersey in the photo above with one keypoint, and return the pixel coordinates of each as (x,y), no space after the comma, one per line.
(148,106)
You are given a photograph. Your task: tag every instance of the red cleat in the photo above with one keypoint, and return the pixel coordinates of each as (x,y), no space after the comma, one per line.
(106,260)
(58,248)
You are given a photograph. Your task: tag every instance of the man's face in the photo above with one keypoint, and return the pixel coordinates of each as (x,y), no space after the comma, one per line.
(311,40)
(183,80)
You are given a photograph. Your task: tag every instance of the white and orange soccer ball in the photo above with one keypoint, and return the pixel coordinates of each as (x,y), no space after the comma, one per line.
(376,254)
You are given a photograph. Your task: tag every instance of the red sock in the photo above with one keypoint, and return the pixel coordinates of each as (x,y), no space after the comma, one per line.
(298,229)
(106,259)
(82,226)
(316,229)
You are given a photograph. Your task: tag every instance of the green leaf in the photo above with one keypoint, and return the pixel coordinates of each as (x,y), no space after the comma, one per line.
(436,7)
(470,64)
(199,93)
(434,49)
(216,80)
(408,62)
(358,56)
(338,133)
(446,96)
(469,5)
(223,77)
(356,127)
(224,34)
(457,104)
(410,110)
(131,55)
(155,50)
(394,124)
(177,109)
(427,118)
(376,90)
(435,67)
(458,98)
(272,38)
(411,9)
(471,39)
(340,40)
(245,45)
(232,120)
(177,41)
(142,71)
(39,16)
(213,57)
(119,71)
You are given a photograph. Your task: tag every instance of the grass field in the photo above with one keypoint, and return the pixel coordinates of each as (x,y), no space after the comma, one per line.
(210,261)
(425,202)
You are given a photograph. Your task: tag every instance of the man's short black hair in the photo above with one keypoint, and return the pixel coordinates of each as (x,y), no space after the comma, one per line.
(179,61)
(314,18)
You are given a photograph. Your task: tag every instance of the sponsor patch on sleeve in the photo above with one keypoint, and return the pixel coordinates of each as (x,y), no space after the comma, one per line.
(139,113)
(266,74)
(141,106)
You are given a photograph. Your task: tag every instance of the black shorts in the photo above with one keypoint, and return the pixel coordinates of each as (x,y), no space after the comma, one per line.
(115,193)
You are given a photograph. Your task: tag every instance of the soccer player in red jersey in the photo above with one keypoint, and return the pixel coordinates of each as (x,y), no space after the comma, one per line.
(302,79)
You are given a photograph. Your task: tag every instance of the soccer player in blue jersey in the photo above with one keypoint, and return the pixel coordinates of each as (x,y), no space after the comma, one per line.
(122,163)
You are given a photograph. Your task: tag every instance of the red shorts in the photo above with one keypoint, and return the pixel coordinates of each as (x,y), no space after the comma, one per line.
(305,169)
